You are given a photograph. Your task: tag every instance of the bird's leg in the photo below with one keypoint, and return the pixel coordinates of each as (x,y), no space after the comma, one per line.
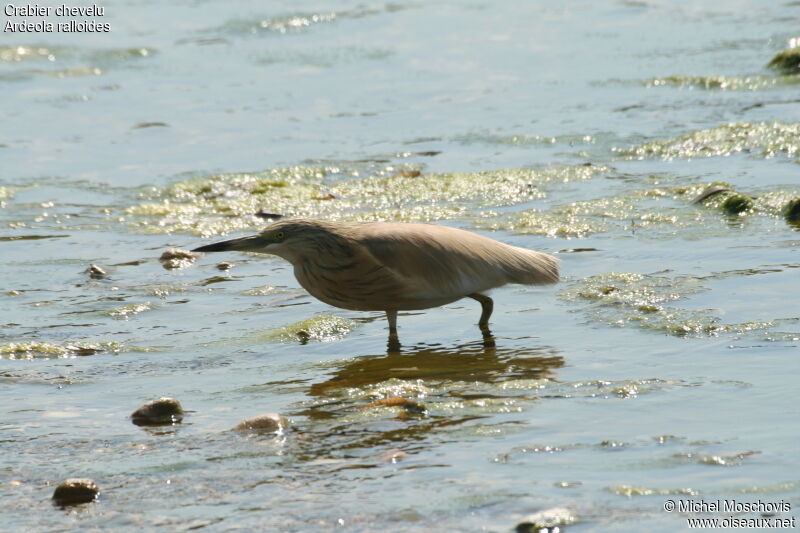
(394,340)
(487,306)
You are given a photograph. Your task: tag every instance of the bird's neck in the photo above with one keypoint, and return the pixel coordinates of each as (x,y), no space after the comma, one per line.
(294,257)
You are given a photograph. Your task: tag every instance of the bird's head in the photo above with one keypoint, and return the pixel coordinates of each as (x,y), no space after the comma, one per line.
(291,239)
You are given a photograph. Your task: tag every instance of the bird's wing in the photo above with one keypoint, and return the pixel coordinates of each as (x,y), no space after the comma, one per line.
(450,263)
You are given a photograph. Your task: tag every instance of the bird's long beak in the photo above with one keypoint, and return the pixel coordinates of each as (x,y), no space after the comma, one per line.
(253,243)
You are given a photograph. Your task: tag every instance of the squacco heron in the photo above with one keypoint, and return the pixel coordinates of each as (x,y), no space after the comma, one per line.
(395,267)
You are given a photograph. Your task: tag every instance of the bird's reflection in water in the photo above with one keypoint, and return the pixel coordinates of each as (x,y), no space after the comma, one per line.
(463,384)
(480,361)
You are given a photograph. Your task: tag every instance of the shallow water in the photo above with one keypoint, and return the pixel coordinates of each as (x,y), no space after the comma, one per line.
(662,367)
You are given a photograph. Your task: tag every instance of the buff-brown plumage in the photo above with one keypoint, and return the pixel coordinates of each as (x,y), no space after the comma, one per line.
(395,266)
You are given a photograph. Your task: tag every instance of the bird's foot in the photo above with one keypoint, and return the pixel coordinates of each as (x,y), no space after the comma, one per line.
(393,344)
(488,338)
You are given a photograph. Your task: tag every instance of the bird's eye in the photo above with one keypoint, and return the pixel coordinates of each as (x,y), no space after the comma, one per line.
(279,236)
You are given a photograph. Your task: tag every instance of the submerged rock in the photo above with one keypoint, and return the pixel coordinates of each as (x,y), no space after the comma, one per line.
(725,198)
(175,258)
(225,266)
(787,61)
(549,518)
(266,423)
(736,204)
(791,211)
(159,412)
(75,491)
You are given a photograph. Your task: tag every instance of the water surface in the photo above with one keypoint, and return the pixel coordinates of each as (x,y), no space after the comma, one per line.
(663,366)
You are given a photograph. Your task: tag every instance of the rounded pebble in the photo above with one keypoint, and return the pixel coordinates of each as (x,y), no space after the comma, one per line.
(75,491)
(159,412)
(266,423)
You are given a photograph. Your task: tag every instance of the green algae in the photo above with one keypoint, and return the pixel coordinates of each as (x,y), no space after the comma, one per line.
(224,203)
(767,139)
(285,24)
(322,328)
(116,55)
(729,83)
(17,53)
(770,489)
(127,311)
(551,224)
(661,210)
(787,61)
(49,350)
(326,57)
(525,139)
(734,459)
(74,72)
(625,299)
(632,490)
(6,193)
(628,212)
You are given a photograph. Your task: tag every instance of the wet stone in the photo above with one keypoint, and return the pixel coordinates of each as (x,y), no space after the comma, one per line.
(159,412)
(75,491)
(266,423)
(96,272)
(787,61)
(175,258)
(225,266)
(737,204)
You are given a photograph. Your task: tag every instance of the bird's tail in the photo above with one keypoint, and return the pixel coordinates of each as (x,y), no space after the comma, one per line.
(532,268)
